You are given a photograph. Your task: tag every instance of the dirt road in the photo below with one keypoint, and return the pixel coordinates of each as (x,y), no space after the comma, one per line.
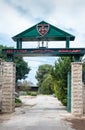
(39,113)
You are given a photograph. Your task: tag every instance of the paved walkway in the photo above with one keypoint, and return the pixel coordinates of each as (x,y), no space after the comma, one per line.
(40,113)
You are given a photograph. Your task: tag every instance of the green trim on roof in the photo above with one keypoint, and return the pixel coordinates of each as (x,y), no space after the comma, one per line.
(54,34)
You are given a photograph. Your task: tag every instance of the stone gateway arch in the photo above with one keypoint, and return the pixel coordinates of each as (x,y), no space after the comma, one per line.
(43,32)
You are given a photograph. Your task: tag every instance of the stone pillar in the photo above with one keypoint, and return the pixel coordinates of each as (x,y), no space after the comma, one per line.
(0,82)
(84,98)
(8,87)
(77,89)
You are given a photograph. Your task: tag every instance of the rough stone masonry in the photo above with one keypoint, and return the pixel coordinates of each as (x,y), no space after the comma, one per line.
(77,89)
(8,87)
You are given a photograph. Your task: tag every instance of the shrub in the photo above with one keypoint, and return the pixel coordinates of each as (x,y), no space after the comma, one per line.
(32,93)
(29,93)
(18,102)
(22,93)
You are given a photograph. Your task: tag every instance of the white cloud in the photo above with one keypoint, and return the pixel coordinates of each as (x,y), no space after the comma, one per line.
(17,16)
(11,22)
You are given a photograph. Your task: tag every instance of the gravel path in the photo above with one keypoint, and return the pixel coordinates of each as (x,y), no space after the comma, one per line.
(38,113)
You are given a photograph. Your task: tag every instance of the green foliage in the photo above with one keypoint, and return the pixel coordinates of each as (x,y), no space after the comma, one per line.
(21,66)
(4,57)
(59,75)
(83,78)
(42,71)
(47,85)
(18,102)
(44,79)
(25,93)
(33,94)
(29,93)
(22,93)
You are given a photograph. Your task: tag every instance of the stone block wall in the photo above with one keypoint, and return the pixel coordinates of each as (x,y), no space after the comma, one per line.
(84,99)
(8,87)
(0,83)
(77,89)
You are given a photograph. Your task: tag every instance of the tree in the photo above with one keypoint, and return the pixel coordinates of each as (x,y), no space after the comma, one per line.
(41,76)
(59,74)
(22,68)
(1,55)
(47,85)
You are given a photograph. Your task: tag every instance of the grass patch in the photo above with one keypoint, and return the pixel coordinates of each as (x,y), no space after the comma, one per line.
(22,93)
(32,93)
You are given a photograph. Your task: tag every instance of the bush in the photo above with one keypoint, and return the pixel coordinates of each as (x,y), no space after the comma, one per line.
(62,96)
(18,102)
(29,93)
(22,93)
(32,93)
(64,102)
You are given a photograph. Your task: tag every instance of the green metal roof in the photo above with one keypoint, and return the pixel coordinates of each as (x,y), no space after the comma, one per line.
(53,34)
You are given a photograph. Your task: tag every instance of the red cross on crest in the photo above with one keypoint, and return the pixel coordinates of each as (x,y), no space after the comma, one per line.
(42,29)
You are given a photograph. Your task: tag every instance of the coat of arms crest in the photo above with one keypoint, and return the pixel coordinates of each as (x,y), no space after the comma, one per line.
(42,29)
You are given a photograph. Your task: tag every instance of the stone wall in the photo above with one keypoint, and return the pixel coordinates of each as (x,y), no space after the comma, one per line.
(0,82)
(77,89)
(8,87)
(84,99)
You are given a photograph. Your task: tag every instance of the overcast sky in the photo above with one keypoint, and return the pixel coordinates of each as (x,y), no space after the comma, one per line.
(19,15)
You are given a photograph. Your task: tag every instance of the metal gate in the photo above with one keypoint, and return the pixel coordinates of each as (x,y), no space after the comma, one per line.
(69,92)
